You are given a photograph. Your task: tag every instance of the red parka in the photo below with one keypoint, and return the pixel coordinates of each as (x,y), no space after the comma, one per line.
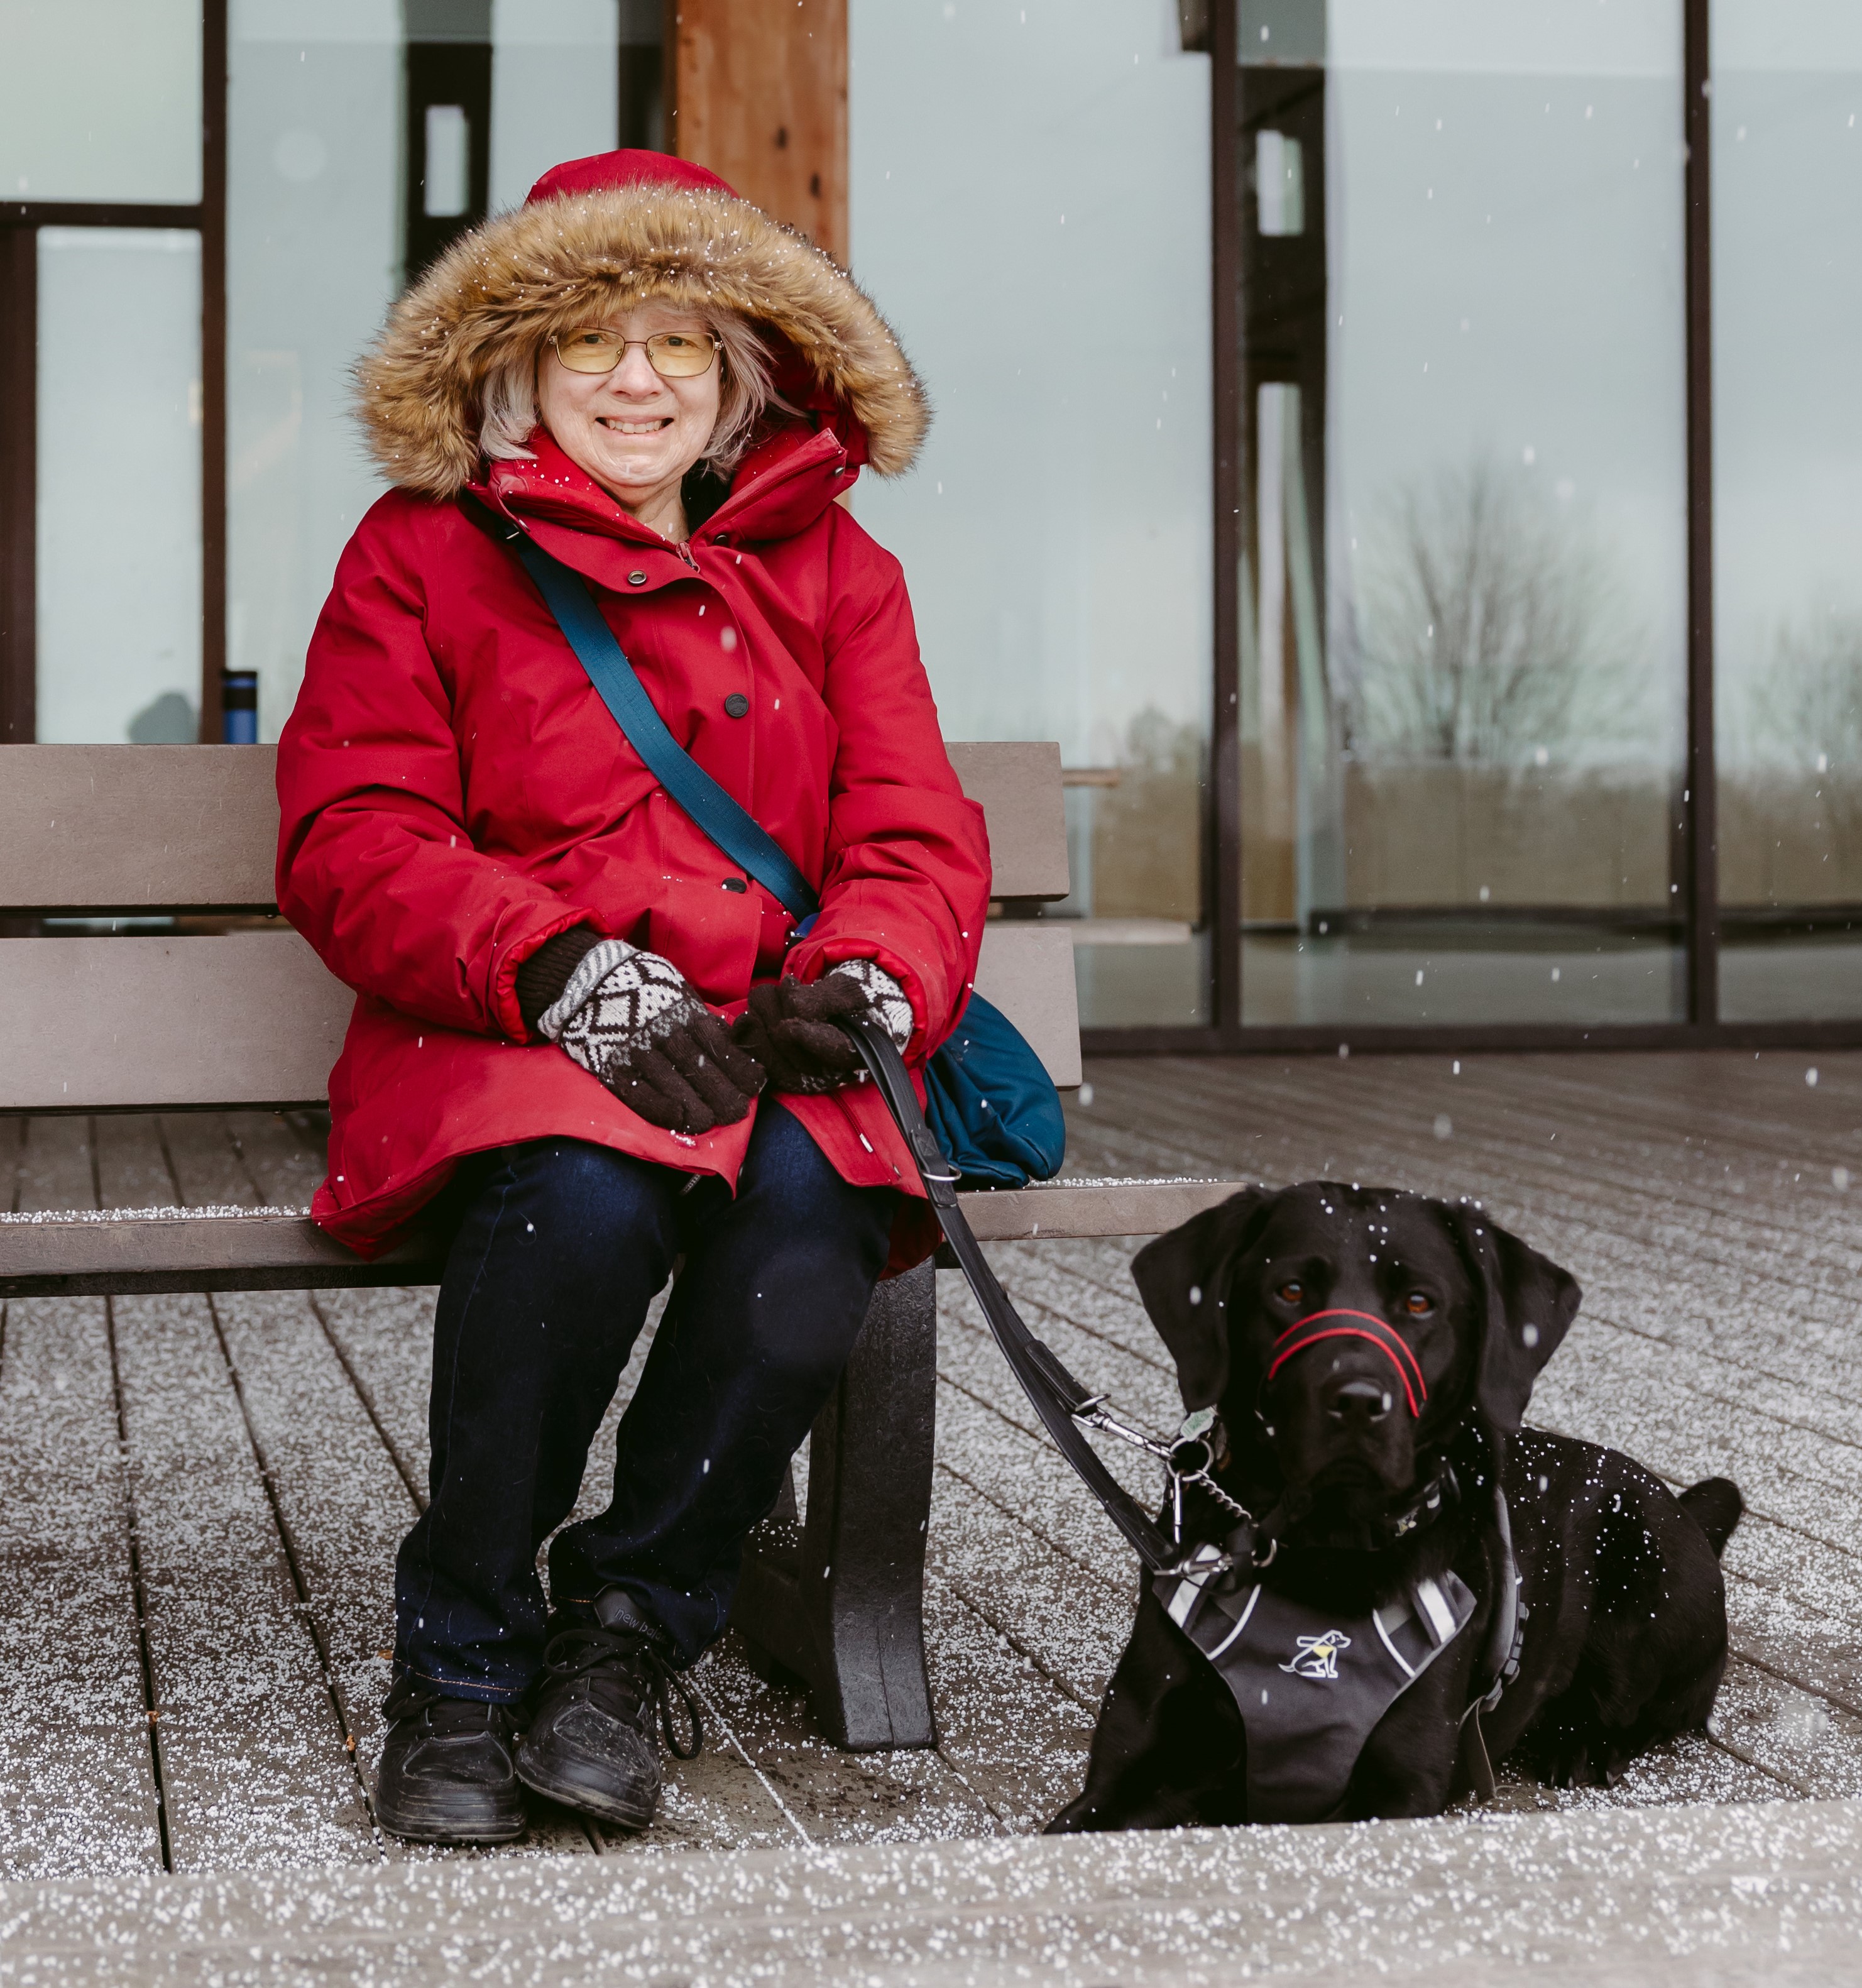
(453,792)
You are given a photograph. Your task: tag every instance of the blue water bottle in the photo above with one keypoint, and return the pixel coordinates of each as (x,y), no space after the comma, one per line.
(239,707)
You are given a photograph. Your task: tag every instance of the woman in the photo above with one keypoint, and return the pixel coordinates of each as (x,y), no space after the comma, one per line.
(578,1022)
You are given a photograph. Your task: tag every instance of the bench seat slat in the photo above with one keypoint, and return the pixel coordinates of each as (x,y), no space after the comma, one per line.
(286,1252)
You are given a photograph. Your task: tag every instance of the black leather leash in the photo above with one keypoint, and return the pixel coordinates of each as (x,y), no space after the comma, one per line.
(1056,1396)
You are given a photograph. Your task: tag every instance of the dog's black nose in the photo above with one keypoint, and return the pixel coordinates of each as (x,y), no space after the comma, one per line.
(1360,1403)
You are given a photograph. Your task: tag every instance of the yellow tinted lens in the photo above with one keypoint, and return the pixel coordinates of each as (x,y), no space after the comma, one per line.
(590,351)
(680,354)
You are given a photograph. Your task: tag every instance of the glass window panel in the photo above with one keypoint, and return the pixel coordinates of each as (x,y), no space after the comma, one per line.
(448,160)
(313,255)
(1787,299)
(1464,575)
(1007,176)
(555,74)
(315,250)
(100,100)
(118,507)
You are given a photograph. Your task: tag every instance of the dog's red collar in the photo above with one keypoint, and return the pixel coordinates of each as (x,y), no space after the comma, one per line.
(1295,1338)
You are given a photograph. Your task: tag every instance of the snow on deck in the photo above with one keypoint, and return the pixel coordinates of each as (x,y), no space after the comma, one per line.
(199,1499)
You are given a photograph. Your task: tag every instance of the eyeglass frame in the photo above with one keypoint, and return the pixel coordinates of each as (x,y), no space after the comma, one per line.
(626,346)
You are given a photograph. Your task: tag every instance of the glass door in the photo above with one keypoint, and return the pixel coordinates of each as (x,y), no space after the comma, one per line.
(1463,662)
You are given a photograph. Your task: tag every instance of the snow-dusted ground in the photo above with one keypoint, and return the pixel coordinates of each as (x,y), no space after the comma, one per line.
(200,1500)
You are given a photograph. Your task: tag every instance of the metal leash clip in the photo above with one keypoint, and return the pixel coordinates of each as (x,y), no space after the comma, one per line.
(1191,1459)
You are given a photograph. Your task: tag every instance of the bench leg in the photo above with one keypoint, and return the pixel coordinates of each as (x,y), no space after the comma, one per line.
(839,1600)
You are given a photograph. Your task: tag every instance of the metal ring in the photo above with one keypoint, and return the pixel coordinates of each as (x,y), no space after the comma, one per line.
(1191,1457)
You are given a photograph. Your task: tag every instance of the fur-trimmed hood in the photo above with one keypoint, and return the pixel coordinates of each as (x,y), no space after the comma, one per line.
(507,285)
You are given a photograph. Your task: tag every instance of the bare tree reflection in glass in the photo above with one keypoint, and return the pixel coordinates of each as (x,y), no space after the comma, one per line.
(1492,629)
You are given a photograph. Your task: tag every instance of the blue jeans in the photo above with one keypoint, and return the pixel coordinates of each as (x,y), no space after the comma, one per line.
(562,1248)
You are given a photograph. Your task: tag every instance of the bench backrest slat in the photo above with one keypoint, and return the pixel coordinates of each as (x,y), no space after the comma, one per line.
(257,1019)
(130,828)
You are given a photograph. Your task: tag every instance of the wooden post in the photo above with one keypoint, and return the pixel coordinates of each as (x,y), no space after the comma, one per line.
(759,94)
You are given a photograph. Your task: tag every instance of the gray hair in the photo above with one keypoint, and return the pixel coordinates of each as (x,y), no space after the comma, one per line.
(746,391)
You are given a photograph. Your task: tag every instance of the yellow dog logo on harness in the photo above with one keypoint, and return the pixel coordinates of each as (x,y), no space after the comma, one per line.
(1319,1655)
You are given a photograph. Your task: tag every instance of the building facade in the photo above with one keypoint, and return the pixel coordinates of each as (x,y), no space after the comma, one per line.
(1408,452)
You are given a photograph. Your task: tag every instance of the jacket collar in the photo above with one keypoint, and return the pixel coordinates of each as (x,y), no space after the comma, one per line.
(782,487)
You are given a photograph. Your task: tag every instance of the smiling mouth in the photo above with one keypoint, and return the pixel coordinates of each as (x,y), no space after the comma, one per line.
(615,426)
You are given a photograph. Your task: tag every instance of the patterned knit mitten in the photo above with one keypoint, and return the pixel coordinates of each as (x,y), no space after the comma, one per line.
(789,1029)
(629,1018)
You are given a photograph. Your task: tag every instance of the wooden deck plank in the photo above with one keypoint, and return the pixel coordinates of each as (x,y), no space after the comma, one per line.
(254,1765)
(837,1797)
(1765,1193)
(1003,1723)
(284,1152)
(1758,1897)
(133,1171)
(203,1148)
(1767,1108)
(55,1166)
(1070,1623)
(1629,1392)
(1022,1474)
(1142,1388)
(1576,1226)
(1814,1746)
(256,1769)
(343,1508)
(78,1790)
(1606,1153)
(77,1787)
(1095,1296)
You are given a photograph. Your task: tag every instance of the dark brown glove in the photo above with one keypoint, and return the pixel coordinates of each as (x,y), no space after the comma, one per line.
(789,1030)
(629,1018)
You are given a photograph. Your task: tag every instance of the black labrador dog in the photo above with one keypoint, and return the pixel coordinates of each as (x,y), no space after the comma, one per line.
(1370,1354)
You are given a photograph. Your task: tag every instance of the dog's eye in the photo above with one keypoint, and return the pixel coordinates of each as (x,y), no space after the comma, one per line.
(1419,1302)
(1291,1292)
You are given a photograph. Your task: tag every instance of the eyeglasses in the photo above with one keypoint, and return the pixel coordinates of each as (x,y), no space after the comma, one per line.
(673,355)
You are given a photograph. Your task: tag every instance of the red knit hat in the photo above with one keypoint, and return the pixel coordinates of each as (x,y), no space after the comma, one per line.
(602,170)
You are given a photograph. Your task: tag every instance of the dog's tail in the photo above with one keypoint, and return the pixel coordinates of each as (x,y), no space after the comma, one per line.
(1715,1505)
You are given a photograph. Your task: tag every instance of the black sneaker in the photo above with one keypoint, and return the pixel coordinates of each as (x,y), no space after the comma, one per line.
(591,1743)
(446,1773)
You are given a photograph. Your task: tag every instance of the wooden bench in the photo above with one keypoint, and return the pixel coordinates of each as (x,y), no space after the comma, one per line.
(143,1019)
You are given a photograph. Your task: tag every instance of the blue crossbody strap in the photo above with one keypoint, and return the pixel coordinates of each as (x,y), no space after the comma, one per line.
(566,595)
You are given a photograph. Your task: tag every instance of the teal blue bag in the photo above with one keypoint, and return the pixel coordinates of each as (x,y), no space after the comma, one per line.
(991,1104)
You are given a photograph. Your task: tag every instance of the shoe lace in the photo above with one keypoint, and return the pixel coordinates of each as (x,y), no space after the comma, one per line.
(626,1673)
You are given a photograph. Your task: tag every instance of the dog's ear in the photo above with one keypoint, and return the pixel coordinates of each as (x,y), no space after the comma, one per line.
(1530,1305)
(1183,1279)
